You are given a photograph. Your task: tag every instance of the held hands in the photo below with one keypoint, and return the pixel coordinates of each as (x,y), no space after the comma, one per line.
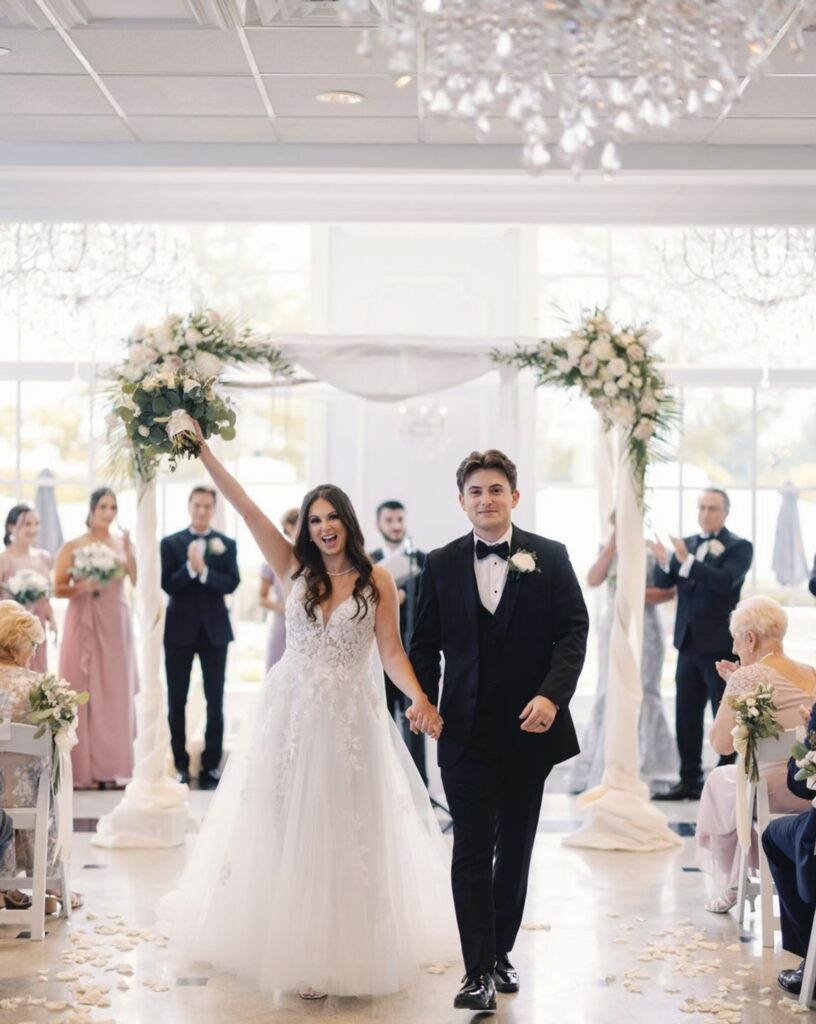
(195,558)
(539,715)
(725,669)
(424,717)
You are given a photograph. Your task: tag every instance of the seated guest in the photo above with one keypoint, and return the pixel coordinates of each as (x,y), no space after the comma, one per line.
(789,845)
(20,635)
(758,627)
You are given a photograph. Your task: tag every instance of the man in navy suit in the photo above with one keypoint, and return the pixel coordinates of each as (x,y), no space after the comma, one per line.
(199,567)
(505,609)
(708,570)
(789,844)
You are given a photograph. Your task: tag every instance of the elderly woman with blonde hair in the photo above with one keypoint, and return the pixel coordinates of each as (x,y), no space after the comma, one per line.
(758,626)
(20,635)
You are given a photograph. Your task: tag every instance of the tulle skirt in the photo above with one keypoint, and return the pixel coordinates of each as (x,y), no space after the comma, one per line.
(320,862)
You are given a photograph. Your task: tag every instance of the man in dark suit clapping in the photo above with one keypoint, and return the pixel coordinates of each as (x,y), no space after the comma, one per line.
(199,567)
(708,570)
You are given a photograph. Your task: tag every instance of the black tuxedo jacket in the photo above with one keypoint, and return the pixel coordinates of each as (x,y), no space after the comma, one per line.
(194,604)
(708,595)
(812,580)
(411,589)
(546,626)
(805,832)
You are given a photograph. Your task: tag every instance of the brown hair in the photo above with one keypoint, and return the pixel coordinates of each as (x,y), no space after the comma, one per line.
(95,498)
(318,581)
(203,489)
(18,629)
(290,518)
(490,459)
(16,513)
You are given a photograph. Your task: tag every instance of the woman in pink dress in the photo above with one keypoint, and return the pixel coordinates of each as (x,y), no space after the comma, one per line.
(22,529)
(758,626)
(97,648)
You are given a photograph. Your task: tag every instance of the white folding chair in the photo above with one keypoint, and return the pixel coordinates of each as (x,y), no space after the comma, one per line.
(19,739)
(759,809)
(809,973)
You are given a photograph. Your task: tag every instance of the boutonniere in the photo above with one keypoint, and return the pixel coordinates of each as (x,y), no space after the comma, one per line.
(715,547)
(522,562)
(216,546)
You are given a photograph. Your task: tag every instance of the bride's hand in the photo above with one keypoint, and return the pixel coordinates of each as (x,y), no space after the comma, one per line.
(424,717)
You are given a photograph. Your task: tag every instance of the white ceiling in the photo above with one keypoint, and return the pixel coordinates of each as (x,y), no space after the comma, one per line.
(248,71)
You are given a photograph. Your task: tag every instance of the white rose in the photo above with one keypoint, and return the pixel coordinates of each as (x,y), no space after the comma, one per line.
(132,372)
(594,384)
(563,365)
(193,336)
(166,341)
(610,388)
(546,350)
(207,364)
(637,382)
(602,349)
(617,367)
(605,332)
(588,364)
(626,338)
(151,383)
(216,546)
(635,371)
(648,405)
(138,333)
(715,547)
(575,346)
(172,319)
(189,384)
(622,414)
(179,422)
(523,561)
(635,352)
(644,430)
(625,381)
(144,431)
(173,363)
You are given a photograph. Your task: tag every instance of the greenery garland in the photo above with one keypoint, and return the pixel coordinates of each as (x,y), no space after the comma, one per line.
(616,368)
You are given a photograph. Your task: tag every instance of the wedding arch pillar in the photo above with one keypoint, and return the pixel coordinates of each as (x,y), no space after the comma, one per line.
(620,815)
(153,809)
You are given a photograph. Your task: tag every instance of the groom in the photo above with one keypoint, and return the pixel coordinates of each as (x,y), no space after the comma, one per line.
(505,609)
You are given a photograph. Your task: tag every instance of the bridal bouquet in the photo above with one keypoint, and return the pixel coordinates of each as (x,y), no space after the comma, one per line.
(756,720)
(170,375)
(27,586)
(54,707)
(616,368)
(96,561)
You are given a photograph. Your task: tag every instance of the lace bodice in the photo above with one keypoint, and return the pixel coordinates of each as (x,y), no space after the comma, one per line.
(343,645)
(747,678)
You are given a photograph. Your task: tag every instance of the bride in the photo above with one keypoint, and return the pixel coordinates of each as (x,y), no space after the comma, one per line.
(320,867)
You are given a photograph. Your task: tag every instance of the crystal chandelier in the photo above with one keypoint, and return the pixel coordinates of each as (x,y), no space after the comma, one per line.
(581,73)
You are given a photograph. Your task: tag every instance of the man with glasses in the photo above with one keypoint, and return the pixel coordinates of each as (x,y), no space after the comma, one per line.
(708,570)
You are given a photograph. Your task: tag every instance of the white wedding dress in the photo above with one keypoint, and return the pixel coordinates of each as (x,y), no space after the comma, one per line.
(320,862)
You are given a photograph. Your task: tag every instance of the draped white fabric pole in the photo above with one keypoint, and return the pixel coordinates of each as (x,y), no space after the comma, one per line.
(153,810)
(620,815)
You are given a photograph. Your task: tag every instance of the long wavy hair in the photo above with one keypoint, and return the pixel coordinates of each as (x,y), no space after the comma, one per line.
(311,566)
(16,513)
(95,498)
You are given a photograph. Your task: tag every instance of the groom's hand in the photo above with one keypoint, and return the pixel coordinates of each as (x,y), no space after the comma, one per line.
(538,715)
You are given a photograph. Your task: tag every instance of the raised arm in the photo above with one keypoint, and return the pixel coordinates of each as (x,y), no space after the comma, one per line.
(275,548)
(599,569)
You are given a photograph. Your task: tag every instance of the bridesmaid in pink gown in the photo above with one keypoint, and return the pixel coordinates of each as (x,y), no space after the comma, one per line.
(97,652)
(22,529)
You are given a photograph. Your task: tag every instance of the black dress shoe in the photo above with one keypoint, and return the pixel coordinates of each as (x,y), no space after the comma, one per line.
(505,976)
(680,791)
(477,993)
(791,981)
(183,776)
(210,779)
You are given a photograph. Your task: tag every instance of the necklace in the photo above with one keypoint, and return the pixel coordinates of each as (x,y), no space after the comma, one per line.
(345,572)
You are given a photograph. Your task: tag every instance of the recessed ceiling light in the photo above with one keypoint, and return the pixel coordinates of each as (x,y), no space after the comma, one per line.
(340,96)
(403,80)
(4,51)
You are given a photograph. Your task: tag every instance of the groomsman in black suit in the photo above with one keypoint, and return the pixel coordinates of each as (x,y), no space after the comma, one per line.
(708,570)
(505,609)
(199,567)
(789,844)
(392,525)
(812,580)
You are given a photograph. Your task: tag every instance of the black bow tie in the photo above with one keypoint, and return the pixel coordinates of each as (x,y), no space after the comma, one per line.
(483,550)
(703,537)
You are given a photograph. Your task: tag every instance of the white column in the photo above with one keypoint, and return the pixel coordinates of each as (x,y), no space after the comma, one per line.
(620,815)
(153,810)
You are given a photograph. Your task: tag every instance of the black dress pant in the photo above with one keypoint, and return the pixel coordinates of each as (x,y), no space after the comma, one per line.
(397,704)
(779,843)
(697,684)
(494,794)
(178,663)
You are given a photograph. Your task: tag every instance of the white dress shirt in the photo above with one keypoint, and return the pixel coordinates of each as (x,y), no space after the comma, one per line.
(491,572)
(202,547)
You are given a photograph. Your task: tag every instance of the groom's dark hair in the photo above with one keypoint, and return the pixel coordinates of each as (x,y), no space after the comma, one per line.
(490,459)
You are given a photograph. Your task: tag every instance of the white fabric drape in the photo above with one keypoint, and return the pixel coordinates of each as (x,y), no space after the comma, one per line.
(620,815)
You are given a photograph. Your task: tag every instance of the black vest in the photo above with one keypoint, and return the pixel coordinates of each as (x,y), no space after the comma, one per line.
(492,661)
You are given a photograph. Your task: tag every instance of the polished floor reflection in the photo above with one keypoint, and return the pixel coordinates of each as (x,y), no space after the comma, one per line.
(607,937)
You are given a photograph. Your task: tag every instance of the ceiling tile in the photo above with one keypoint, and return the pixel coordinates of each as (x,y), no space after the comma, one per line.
(162,51)
(51,94)
(779,97)
(316,51)
(196,94)
(51,128)
(372,130)
(203,129)
(458,131)
(765,131)
(39,52)
(294,96)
